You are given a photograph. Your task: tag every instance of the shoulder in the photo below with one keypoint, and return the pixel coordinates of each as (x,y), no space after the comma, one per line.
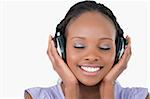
(27,95)
(42,93)
(132,92)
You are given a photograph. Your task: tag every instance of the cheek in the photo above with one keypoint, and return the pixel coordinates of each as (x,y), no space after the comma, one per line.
(71,56)
(110,58)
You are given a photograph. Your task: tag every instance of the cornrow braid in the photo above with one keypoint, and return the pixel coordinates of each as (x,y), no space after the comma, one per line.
(91,6)
(88,6)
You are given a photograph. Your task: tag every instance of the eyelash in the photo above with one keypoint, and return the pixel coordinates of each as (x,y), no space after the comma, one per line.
(101,48)
(79,47)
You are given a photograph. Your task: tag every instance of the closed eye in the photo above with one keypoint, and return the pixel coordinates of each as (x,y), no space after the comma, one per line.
(79,47)
(102,48)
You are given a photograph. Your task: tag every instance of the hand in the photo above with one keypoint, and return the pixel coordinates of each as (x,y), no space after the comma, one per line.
(107,84)
(70,83)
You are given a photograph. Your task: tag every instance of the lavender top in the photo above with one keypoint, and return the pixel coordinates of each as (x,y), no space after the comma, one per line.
(55,92)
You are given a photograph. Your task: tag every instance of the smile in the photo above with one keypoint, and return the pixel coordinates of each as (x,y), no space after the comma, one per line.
(90,68)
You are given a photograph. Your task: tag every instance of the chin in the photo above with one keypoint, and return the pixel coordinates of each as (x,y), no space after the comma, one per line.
(89,82)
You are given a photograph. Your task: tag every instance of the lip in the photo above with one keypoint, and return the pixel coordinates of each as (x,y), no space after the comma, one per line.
(87,73)
(91,65)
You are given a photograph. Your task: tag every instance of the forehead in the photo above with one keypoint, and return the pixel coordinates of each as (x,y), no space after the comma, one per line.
(93,23)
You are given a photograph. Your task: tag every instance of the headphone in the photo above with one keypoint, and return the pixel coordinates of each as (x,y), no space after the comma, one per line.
(60,44)
(121,42)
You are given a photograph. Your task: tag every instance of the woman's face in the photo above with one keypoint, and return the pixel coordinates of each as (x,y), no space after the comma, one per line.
(90,47)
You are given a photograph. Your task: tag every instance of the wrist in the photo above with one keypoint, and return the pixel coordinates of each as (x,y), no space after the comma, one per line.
(107,90)
(108,82)
(72,92)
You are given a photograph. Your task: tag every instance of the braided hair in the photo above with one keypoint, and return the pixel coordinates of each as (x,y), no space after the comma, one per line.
(90,6)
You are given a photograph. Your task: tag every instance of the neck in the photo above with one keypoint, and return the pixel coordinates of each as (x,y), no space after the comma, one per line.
(89,92)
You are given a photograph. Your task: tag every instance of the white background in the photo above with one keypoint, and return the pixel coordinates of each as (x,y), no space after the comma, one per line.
(24,30)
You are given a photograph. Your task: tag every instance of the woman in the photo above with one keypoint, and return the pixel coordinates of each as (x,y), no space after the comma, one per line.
(91,43)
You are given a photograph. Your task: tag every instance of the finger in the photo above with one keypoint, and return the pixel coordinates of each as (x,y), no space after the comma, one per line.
(58,59)
(61,65)
(61,68)
(49,50)
(49,46)
(55,54)
(49,39)
(127,52)
(122,64)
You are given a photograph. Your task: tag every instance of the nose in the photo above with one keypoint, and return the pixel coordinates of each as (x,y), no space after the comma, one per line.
(92,56)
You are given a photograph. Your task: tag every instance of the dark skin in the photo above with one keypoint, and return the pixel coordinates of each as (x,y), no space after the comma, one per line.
(86,89)
(27,95)
(90,35)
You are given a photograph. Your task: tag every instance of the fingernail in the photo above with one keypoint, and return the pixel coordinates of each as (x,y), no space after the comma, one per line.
(126,46)
(127,36)
(50,37)
(52,40)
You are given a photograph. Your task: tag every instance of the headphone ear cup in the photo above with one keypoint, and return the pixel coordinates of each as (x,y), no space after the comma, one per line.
(120,44)
(60,44)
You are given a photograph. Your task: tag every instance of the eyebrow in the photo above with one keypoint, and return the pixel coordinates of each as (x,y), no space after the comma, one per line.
(78,37)
(104,38)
